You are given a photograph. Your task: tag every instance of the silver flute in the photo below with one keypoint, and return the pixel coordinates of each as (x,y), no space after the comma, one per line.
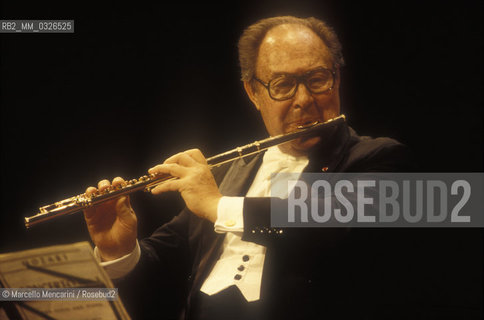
(147,182)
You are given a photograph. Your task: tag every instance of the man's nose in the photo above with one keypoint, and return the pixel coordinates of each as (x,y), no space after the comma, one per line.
(302,97)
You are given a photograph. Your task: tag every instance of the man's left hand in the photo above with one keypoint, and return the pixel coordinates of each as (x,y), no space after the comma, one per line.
(195,182)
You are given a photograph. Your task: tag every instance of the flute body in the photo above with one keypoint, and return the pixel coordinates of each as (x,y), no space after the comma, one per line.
(147,182)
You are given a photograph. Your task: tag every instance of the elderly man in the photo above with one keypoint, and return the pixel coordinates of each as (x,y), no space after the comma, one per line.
(220,255)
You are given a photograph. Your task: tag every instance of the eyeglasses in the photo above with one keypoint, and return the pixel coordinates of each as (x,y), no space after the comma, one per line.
(285,86)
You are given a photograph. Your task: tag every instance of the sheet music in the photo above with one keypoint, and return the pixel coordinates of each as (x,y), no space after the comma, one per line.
(61,266)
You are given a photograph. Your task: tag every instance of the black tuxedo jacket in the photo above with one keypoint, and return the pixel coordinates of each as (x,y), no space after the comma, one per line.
(309,273)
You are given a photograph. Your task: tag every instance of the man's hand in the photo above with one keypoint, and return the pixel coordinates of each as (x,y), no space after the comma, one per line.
(195,184)
(112,224)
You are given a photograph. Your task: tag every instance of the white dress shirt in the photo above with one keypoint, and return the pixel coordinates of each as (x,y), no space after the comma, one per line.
(241,262)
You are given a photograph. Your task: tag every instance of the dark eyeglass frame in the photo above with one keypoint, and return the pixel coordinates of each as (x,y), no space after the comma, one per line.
(299,79)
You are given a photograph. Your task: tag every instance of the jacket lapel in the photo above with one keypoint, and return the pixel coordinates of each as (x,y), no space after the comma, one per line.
(240,176)
(331,151)
(236,182)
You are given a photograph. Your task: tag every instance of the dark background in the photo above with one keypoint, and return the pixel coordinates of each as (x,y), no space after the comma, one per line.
(138,82)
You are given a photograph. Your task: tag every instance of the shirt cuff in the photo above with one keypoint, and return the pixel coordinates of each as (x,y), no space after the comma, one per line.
(230,215)
(120,267)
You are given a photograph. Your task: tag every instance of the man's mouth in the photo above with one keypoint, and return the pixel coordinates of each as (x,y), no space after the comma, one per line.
(302,124)
(307,124)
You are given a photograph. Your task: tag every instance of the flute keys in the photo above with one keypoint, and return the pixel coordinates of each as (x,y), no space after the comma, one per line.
(91,195)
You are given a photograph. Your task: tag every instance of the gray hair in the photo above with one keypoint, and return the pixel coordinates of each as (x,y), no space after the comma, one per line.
(252,37)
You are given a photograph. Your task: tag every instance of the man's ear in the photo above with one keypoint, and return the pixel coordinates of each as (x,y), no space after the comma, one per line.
(338,78)
(250,92)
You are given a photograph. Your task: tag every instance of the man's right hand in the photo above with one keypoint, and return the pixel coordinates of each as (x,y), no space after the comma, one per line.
(112,224)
